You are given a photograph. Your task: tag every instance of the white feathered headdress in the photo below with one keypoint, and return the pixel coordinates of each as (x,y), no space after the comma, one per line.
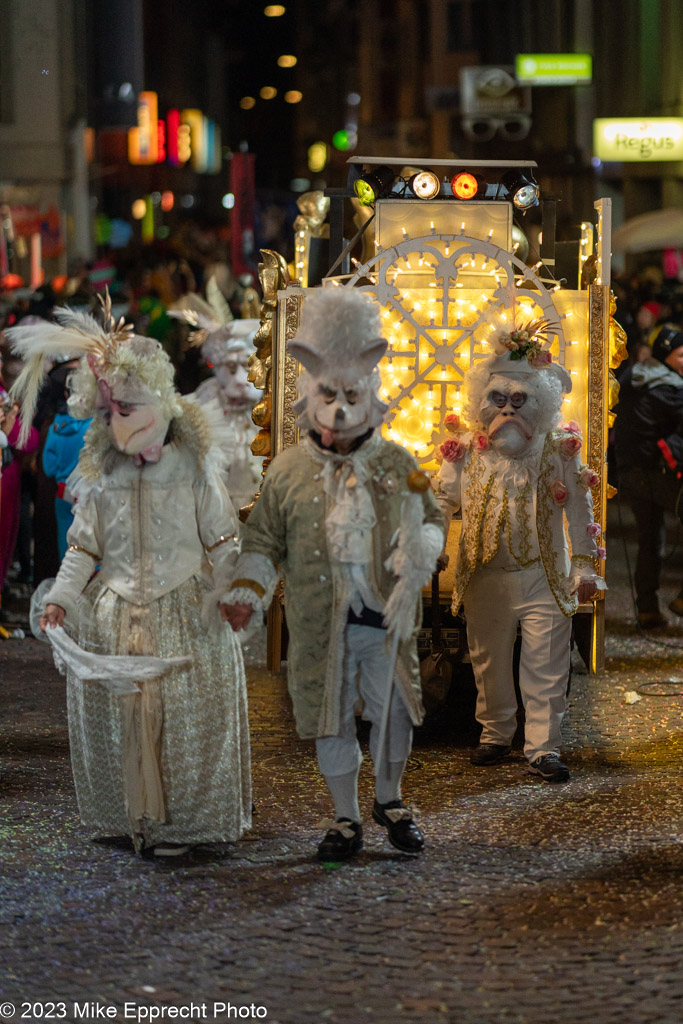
(214,328)
(108,351)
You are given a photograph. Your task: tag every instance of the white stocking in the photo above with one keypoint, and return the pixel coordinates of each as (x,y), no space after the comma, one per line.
(344,790)
(388,781)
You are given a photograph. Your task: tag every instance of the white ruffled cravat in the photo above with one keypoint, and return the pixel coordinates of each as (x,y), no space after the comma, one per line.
(349,525)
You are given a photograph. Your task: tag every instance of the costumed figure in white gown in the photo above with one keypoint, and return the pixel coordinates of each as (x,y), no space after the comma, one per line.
(226,345)
(165,757)
(350,522)
(517,478)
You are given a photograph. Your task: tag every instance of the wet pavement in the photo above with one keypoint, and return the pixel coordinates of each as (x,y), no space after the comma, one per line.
(532,904)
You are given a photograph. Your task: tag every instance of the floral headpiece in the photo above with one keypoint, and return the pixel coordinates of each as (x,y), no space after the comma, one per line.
(530,340)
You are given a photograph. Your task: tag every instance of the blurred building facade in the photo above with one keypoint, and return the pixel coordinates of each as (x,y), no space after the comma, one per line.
(381,77)
(43,183)
(410,60)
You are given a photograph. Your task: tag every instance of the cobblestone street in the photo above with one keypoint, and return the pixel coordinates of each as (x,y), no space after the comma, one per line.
(532,904)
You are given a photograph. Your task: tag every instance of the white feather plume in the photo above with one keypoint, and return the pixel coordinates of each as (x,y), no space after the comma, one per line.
(193,310)
(217,301)
(75,332)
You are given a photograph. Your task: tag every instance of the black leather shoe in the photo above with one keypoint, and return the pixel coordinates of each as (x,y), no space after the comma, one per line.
(487,754)
(343,839)
(398,821)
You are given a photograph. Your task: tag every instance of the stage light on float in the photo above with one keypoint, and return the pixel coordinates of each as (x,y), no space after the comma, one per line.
(424,184)
(521,191)
(468,186)
(373,185)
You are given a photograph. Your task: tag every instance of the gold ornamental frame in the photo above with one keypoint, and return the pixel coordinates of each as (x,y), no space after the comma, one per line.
(590,619)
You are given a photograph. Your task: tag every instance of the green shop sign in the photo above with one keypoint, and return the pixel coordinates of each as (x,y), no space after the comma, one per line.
(554,68)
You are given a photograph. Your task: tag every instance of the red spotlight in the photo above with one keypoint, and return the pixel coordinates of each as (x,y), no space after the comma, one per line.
(467,186)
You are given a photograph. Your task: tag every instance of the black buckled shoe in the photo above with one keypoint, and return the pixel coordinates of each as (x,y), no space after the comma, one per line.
(343,839)
(398,821)
(488,754)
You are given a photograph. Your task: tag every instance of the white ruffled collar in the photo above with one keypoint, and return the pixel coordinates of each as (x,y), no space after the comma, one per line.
(515,472)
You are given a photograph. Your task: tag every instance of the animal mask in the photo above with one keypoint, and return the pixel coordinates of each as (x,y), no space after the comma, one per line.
(515,402)
(135,427)
(226,351)
(509,414)
(339,345)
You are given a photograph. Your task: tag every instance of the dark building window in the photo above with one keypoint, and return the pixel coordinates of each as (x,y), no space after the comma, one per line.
(461,26)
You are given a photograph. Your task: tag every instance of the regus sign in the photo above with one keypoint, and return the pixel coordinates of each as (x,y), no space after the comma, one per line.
(634,140)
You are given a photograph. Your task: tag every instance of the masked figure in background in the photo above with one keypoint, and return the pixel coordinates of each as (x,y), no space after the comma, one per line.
(168,763)
(226,345)
(327,519)
(516,479)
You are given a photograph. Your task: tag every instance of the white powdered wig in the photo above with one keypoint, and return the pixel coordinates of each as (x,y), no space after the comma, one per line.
(547,386)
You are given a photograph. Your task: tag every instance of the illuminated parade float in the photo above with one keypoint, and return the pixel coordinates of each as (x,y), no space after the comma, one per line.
(446,275)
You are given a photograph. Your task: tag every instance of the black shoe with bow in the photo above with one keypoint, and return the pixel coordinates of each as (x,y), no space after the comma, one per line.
(398,821)
(343,839)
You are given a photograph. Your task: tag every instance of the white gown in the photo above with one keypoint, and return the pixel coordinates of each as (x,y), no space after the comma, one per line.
(172,763)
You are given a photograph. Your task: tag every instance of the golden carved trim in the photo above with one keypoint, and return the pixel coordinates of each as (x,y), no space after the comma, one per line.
(598,393)
(285,368)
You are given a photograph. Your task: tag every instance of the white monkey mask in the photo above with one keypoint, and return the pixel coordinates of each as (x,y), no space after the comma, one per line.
(510,413)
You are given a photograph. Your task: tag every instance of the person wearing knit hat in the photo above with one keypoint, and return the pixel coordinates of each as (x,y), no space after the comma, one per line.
(648,442)
(664,341)
(517,478)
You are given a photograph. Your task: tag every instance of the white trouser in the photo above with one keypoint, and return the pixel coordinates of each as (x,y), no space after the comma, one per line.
(495,602)
(366,649)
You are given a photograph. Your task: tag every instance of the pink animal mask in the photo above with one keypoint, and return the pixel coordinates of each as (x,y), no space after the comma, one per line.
(135,428)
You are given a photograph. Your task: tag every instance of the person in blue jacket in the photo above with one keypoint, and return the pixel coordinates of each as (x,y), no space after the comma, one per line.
(60,457)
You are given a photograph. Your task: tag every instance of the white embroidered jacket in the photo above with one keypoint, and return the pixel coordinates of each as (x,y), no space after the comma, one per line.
(150,528)
(529,504)
(242,473)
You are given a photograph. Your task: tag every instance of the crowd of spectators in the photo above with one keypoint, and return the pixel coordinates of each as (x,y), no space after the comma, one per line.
(35,503)
(33,492)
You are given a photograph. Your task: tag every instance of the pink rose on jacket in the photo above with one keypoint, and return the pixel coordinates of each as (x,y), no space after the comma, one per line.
(602,553)
(588,477)
(452,422)
(453,450)
(480,441)
(572,427)
(541,359)
(594,529)
(570,446)
(559,492)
